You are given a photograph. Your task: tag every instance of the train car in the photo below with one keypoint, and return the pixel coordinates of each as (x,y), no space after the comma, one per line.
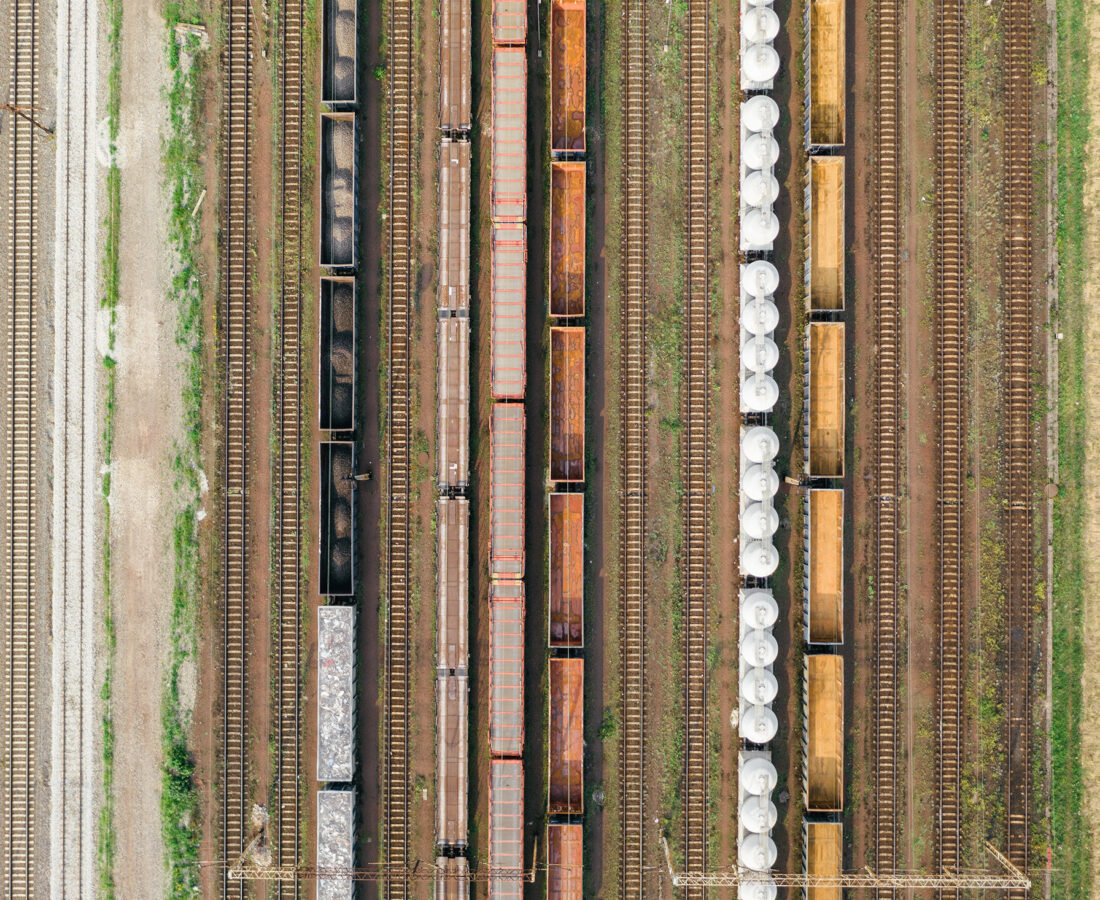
(565,860)
(452,782)
(825,248)
(508,332)
(506,619)
(566,607)
(822,855)
(567,76)
(338,53)
(825,412)
(507,546)
(567,187)
(339,137)
(823,733)
(506,827)
(509,150)
(335,843)
(335,693)
(455,55)
(509,22)
(453,879)
(565,784)
(336,385)
(824,66)
(337,538)
(453,391)
(454,227)
(567,404)
(452,634)
(824,567)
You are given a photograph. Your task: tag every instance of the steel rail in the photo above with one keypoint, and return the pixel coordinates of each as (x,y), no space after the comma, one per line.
(21,470)
(885,250)
(395,787)
(633,422)
(695,441)
(237,127)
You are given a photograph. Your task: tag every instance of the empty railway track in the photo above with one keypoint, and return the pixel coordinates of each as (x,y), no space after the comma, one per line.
(695,446)
(22,462)
(950,293)
(887,295)
(395,786)
(235,349)
(288,460)
(1017,348)
(632,374)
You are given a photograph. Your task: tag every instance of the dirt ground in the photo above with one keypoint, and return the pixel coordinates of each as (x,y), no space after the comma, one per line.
(148,422)
(726,354)
(1090,725)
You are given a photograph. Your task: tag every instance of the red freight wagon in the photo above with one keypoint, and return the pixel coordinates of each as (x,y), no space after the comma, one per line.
(506,678)
(509,202)
(565,786)
(567,404)
(566,626)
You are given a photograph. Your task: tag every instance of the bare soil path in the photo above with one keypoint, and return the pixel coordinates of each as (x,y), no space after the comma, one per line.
(147,428)
(1090,724)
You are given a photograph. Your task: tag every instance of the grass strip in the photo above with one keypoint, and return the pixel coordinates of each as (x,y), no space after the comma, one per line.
(183,181)
(1069,826)
(106,839)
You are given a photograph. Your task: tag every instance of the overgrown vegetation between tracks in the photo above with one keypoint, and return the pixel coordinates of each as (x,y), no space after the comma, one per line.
(1070,828)
(184,180)
(106,840)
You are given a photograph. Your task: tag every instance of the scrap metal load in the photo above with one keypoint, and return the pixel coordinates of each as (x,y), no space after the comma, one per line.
(565,785)
(567,186)
(565,860)
(567,76)
(565,503)
(335,693)
(567,404)
(336,400)
(566,608)
(338,53)
(339,133)
(337,539)
(826,74)
(335,843)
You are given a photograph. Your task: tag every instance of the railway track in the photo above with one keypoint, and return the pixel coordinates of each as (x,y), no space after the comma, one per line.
(235,348)
(288,480)
(886,433)
(632,373)
(395,787)
(951,384)
(1018,445)
(695,447)
(22,462)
